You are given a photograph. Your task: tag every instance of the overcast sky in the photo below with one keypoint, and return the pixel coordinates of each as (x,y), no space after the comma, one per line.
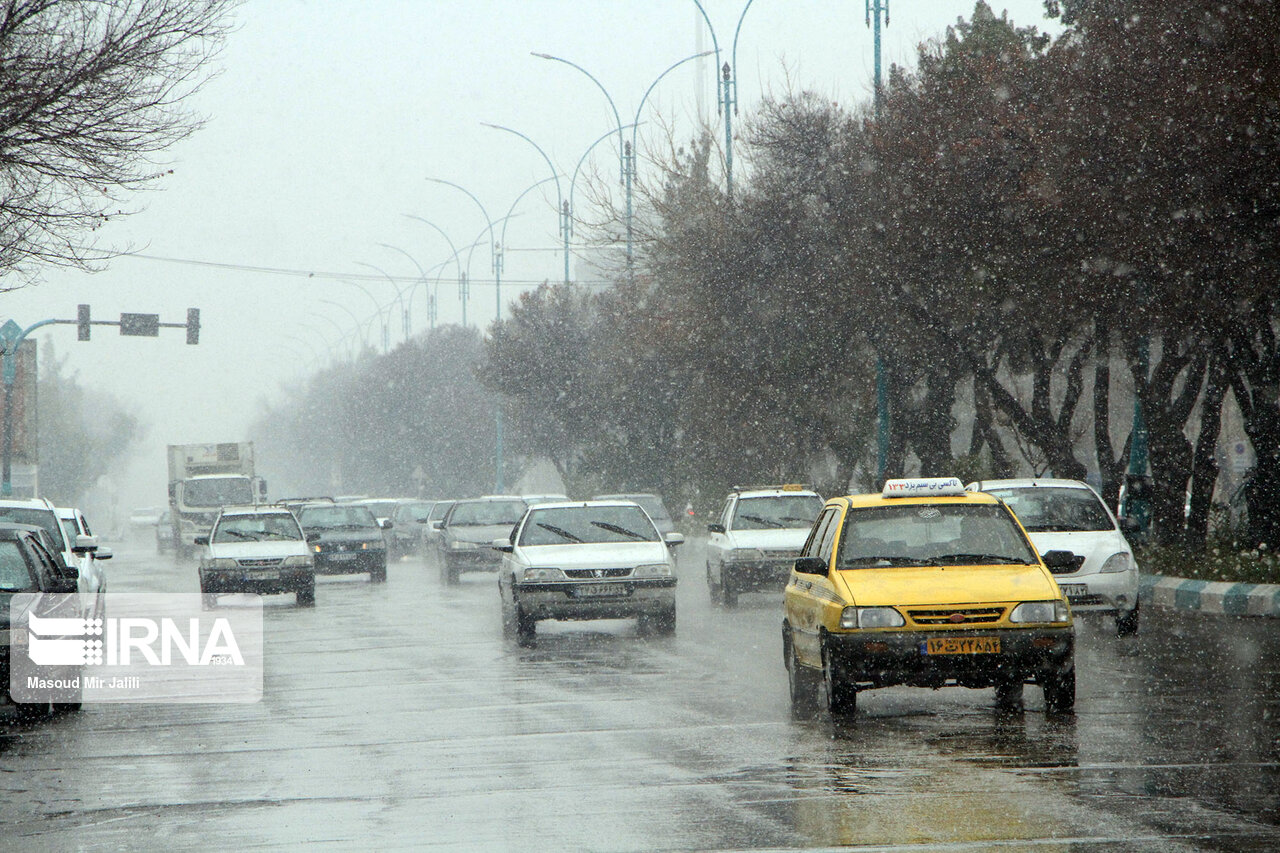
(322,129)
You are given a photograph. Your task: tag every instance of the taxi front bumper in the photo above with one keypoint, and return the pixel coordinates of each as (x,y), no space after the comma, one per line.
(596,600)
(881,659)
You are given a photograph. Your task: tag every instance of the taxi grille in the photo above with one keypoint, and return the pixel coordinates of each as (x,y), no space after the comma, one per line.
(957,616)
(260,563)
(590,574)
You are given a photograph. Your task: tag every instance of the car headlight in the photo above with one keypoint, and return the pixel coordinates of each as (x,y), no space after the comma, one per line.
(460,545)
(1116,563)
(542,575)
(297,561)
(1041,611)
(222,563)
(871,617)
(654,570)
(745,555)
(372,546)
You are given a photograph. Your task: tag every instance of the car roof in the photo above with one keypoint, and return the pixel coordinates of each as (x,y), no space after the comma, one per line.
(777,492)
(626,496)
(27,503)
(256,509)
(590,503)
(1028,483)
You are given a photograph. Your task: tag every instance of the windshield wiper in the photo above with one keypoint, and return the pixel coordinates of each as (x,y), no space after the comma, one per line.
(891,561)
(240,534)
(806,521)
(559,532)
(768,521)
(982,558)
(1055,527)
(621,531)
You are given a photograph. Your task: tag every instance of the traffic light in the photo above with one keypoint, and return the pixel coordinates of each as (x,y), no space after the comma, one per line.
(82,323)
(193,325)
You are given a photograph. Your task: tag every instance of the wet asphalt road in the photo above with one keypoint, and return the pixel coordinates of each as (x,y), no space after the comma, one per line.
(397,716)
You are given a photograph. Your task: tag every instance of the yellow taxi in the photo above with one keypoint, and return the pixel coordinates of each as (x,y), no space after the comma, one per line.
(926,585)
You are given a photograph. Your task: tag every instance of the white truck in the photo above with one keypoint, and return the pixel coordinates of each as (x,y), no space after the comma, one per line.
(203,478)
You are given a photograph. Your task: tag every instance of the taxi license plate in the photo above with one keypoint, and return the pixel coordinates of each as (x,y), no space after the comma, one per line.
(263,575)
(1075,590)
(599,591)
(961,646)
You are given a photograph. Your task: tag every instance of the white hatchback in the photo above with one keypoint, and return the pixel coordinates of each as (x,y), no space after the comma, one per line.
(1068,515)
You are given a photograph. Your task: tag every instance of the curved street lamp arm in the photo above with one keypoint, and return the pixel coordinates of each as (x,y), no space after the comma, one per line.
(555,174)
(734,57)
(511,212)
(479,204)
(654,85)
(583,159)
(617,119)
(360,325)
(714,44)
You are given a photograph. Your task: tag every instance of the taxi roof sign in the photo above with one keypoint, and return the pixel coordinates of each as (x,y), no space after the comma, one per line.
(923,487)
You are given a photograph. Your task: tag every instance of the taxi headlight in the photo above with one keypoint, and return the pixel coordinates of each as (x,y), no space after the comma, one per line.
(542,575)
(654,570)
(297,561)
(871,617)
(1040,611)
(1116,563)
(745,555)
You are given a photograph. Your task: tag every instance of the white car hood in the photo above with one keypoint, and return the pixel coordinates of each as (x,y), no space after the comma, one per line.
(594,556)
(258,550)
(783,538)
(1094,546)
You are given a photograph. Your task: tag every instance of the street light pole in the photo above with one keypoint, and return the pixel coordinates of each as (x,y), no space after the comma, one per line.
(729,90)
(561,211)
(386,334)
(875,9)
(404,315)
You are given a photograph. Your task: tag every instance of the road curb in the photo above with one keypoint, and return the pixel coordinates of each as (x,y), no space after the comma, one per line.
(1231,599)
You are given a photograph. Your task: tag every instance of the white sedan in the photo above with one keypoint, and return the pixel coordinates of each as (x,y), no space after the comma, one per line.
(587,560)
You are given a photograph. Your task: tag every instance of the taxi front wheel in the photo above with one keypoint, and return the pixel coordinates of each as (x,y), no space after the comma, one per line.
(802,682)
(1060,691)
(842,694)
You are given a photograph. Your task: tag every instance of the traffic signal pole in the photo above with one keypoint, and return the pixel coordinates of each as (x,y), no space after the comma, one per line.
(12,335)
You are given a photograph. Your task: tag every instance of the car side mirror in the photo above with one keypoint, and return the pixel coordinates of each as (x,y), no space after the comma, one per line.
(202,540)
(103,553)
(673,539)
(811,566)
(503,545)
(1058,559)
(437,525)
(386,524)
(313,536)
(84,544)
(63,584)
(715,527)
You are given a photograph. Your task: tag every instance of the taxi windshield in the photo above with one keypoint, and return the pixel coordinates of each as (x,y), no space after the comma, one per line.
(931,535)
(776,511)
(1047,509)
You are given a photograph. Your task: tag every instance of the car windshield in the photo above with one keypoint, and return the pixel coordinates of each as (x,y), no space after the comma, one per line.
(69,528)
(382,509)
(258,527)
(652,504)
(479,513)
(931,535)
(440,510)
(775,512)
(356,517)
(587,525)
(415,513)
(1044,509)
(39,518)
(220,491)
(15,574)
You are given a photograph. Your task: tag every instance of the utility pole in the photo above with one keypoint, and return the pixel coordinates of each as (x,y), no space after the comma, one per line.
(876,8)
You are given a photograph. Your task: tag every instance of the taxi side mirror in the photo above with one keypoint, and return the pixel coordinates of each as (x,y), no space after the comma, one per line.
(202,540)
(715,527)
(103,553)
(811,566)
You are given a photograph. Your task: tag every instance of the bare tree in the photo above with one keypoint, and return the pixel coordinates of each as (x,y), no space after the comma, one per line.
(91,91)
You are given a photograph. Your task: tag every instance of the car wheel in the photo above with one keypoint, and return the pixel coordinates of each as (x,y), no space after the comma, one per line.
(1127,623)
(448,573)
(728,594)
(378,575)
(1059,691)
(526,628)
(842,695)
(660,624)
(713,588)
(30,712)
(307,594)
(801,681)
(1009,693)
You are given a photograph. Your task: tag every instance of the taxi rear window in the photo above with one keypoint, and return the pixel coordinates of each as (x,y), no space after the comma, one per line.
(931,535)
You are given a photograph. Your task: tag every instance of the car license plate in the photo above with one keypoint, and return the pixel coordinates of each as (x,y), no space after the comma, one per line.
(342,558)
(599,591)
(1075,590)
(263,575)
(961,646)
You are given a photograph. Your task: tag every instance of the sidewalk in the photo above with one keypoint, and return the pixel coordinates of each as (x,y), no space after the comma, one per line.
(1232,599)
